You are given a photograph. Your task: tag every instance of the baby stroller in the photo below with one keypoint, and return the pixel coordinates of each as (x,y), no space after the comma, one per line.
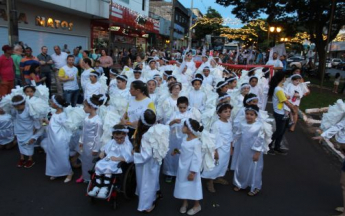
(119,183)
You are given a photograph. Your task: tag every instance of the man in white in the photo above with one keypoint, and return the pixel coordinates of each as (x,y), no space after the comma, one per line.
(60,60)
(277,64)
(68,75)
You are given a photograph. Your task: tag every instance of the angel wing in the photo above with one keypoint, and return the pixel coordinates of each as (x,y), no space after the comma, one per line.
(75,117)
(208,147)
(119,103)
(110,119)
(38,107)
(42,92)
(335,113)
(208,118)
(156,139)
(103,80)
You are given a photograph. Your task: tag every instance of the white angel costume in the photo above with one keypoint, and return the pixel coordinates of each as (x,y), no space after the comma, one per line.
(114,149)
(57,146)
(197,99)
(91,140)
(224,137)
(170,164)
(250,138)
(190,161)
(85,78)
(112,86)
(191,65)
(333,122)
(149,73)
(259,93)
(92,88)
(153,148)
(6,129)
(122,92)
(166,107)
(24,127)
(338,130)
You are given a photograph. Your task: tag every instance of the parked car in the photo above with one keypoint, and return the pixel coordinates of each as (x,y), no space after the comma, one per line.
(328,63)
(335,61)
(341,66)
(296,62)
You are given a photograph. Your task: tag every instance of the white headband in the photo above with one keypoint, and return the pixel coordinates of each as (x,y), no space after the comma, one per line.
(253,77)
(226,71)
(120,130)
(152,80)
(142,118)
(111,71)
(171,76)
(250,99)
(191,129)
(91,104)
(222,104)
(195,79)
(18,102)
(56,103)
(122,77)
(245,85)
(296,75)
(223,97)
(231,79)
(251,109)
(224,84)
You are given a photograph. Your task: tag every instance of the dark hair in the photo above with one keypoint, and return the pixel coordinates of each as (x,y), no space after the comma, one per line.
(248,96)
(138,84)
(253,77)
(61,101)
(337,75)
(254,107)
(219,84)
(125,61)
(70,56)
(276,79)
(172,84)
(28,48)
(182,100)
(230,79)
(18,98)
(33,88)
(223,106)
(150,118)
(171,77)
(297,68)
(87,61)
(33,67)
(200,76)
(119,127)
(195,125)
(299,77)
(97,61)
(122,78)
(87,52)
(96,99)
(169,72)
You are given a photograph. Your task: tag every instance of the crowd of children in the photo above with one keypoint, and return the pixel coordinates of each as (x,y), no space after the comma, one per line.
(186,120)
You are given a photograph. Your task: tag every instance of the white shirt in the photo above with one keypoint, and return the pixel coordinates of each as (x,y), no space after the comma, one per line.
(59,60)
(71,72)
(92,88)
(275,63)
(85,77)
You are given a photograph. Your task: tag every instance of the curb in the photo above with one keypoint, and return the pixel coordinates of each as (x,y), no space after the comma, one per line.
(325,142)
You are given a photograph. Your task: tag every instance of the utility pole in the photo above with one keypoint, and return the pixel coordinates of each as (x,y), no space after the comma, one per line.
(172,24)
(190,25)
(12,22)
(328,36)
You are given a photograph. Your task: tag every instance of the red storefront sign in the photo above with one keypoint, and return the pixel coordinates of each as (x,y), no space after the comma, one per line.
(127,17)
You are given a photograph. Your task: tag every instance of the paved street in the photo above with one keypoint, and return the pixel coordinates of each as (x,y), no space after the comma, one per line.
(305,182)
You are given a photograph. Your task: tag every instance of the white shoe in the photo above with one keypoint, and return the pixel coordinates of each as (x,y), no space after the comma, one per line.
(193,211)
(103,193)
(52,178)
(183,209)
(94,191)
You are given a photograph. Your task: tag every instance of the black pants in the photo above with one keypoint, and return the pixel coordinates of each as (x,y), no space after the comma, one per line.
(281,126)
(48,80)
(106,73)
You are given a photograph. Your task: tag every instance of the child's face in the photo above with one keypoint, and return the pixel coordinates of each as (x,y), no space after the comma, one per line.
(121,84)
(176,90)
(171,80)
(93,79)
(197,85)
(159,81)
(137,75)
(20,107)
(225,75)
(224,89)
(151,86)
(29,92)
(153,65)
(253,82)
(253,102)
(119,137)
(296,82)
(112,76)
(225,114)
(87,107)
(234,84)
(245,90)
(182,107)
(206,73)
(185,130)
(96,64)
(250,116)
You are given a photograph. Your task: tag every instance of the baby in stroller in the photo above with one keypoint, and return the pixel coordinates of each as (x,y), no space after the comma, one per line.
(117,150)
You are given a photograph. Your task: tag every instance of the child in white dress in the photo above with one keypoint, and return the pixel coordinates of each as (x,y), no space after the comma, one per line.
(222,128)
(121,89)
(117,150)
(90,139)
(93,87)
(6,130)
(151,86)
(197,98)
(188,181)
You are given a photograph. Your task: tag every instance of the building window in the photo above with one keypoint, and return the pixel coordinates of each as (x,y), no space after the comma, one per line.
(176,17)
(143,5)
(125,1)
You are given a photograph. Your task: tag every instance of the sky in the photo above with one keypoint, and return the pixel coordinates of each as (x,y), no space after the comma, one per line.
(202,5)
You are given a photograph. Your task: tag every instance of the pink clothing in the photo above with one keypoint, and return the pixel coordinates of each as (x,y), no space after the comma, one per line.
(6,68)
(106,61)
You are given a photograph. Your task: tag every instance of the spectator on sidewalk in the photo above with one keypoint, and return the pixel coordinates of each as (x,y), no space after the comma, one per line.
(106,63)
(6,71)
(46,62)
(68,75)
(65,49)
(26,63)
(60,60)
(17,57)
(277,64)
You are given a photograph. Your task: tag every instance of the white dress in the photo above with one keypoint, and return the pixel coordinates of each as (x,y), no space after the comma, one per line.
(224,137)
(92,88)
(191,66)
(259,93)
(91,140)
(147,174)
(112,86)
(85,78)
(57,146)
(170,164)
(24,126)
(190,161)
(123,93)
(6,129)
(250,139)
(113,149)
(197,99)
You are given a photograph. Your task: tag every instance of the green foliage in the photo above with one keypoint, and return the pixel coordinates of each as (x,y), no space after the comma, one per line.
(204,29)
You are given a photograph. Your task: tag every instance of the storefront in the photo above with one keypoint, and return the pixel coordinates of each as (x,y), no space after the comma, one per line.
(40,26)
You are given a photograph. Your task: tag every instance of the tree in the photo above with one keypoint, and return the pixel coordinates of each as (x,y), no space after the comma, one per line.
(203,29)
(311,15)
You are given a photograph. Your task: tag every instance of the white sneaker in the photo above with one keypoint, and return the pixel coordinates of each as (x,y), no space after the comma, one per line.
(193,211)
(94,191)
(103,193)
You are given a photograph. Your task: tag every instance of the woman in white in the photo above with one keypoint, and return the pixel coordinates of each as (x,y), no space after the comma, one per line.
(57,142)
(85,75)
(188,181)
(222,128)
(90,139)
(250,140)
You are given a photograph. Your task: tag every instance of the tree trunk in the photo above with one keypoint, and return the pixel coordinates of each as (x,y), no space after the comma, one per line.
(322,60)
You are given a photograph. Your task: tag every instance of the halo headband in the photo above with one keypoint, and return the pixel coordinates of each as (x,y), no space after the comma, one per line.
(122,77)
(251,109)
(120,130)
(142,118)
(251,99)
(296,75)
(112,72)
(190,127)
(18,102)
(220,86)
(196,79)
(245,85)
(223,97)
(91,104)
(56,103)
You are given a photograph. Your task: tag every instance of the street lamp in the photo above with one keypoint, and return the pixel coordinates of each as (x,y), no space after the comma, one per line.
(275,30)
(284,39)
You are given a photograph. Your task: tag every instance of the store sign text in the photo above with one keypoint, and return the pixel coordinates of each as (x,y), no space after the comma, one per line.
(53,23)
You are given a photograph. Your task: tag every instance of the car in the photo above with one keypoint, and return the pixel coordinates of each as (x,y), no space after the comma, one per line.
(341,66)
(335,61)
(328,63)
(295,62)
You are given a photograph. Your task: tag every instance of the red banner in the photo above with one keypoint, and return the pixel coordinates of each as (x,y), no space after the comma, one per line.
(125,16)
